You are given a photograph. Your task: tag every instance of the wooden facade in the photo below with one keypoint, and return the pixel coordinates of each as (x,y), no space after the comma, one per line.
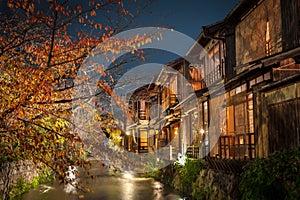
(264,57)
(260,41)
(158,121)
(247,83)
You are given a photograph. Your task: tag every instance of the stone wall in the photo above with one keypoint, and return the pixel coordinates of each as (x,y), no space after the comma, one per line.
(211,184)
(11,172)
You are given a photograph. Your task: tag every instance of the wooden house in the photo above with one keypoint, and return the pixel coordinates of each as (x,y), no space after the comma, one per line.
(247,83)
(255,53)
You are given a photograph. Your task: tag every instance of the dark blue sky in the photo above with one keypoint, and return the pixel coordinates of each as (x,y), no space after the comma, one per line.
(187,16)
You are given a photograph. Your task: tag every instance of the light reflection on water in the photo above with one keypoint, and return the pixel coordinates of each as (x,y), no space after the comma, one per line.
(124,187)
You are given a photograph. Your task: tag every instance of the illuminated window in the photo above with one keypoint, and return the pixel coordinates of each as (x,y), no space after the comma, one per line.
(173,85)
(143,138)
(203,109)
(176,129)
(205,124)
(250,113)
(142,110)
(268,39)
(205,114)
(230,119)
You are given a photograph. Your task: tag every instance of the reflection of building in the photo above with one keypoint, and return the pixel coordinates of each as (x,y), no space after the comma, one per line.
(247,84)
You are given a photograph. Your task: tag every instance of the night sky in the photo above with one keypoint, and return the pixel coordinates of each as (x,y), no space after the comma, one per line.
(186,16)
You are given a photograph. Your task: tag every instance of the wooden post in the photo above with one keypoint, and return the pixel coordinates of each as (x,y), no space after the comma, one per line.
(171,157)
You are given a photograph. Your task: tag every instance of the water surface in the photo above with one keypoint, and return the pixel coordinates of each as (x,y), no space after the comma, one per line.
(121,187)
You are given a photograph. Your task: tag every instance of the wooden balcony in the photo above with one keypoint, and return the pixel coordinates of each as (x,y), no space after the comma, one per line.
(239,146)
(215,75)
(198,84)
(193,152)
(169,101)
(142,115)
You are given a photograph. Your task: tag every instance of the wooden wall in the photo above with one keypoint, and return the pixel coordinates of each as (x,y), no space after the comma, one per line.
(230,60)
(251,32)
(277,119)
(290,23)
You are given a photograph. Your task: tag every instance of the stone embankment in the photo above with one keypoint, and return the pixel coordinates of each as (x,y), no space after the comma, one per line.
(11,172)
(210,184)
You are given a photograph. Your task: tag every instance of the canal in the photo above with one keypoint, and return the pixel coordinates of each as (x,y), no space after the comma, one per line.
(124,186)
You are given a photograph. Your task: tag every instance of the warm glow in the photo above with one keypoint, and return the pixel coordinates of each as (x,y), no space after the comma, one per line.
(127,175)
(202,131)
(241,140)
(176,130)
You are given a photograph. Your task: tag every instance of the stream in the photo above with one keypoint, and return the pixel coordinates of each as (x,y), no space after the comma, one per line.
(124,186)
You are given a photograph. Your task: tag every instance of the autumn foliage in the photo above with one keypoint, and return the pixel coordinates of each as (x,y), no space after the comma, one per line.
(42,45)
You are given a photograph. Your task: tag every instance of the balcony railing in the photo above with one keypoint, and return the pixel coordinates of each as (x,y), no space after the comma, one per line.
(169,101)
(239,146)
(193,151)
(216,74)
(232,166)
(142,115)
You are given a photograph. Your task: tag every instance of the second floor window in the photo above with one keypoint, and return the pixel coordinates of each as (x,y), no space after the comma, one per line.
(142,110)
(214,58)
(268,39)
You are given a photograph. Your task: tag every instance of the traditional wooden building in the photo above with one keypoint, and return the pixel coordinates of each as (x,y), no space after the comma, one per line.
(163,112)
(140,136)
(266,49)
(208,75)
(246,79)
(254,55)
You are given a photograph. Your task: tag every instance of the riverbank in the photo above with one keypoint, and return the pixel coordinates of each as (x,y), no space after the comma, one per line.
(196,180)
(19,177)
(277,176)
(212,178)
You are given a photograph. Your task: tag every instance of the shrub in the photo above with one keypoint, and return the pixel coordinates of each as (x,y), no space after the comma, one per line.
(275,177)
(189,171)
